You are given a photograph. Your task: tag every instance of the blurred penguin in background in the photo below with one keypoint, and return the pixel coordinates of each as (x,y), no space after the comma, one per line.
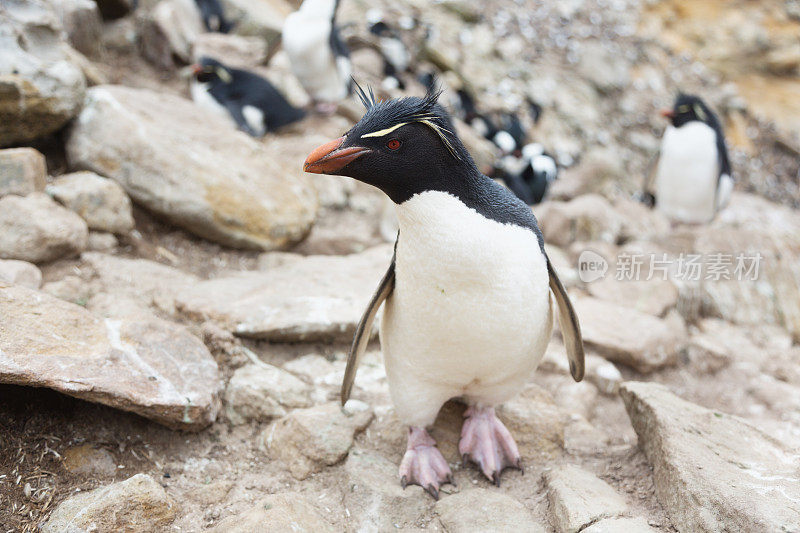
(394,53)
(252,102)
(693,179)
(319,57)
(530,174)
(213,16)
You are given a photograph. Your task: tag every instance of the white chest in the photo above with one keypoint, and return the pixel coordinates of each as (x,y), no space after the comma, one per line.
(471,304)
(686,178)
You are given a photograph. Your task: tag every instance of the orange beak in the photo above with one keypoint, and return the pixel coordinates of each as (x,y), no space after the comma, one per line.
(667,113)
(330,158)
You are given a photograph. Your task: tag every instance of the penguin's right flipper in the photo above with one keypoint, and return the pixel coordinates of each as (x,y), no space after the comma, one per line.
(364,329)
(570,328)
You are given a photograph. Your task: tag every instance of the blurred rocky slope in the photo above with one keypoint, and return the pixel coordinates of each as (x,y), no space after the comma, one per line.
(158,262)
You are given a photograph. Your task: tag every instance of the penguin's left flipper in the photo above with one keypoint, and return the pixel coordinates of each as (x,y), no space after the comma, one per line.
(570,328)
(364,330)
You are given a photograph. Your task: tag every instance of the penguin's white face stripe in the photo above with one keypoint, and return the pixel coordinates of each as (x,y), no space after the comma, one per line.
(387,131)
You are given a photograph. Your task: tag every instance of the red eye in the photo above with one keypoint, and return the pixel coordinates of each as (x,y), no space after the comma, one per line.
(394,144)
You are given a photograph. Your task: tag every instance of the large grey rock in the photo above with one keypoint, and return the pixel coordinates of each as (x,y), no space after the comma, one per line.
(36,229)
(22,171)
(713,471)
(82,23)
(306,440)
(169,30)
(586,218)
(579,498)
(624,335)
(261,392)
(191,168)
(485,510)
(136,504)
(753,232)
(101,202)
(22,273)
(258,18)
(40,88)
(306,299)
(277,512)
(140,364)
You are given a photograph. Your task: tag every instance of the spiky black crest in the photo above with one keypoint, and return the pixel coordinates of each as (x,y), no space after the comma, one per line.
(426,110)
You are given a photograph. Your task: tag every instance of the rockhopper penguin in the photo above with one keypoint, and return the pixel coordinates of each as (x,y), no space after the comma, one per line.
(467,296)
(693,179)
(253,103)
(319,57)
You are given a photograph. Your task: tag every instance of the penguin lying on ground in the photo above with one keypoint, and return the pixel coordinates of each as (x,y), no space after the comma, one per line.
(529,175)
(468,310)
(319,57)
(213,16)
(693,179)
(251,101)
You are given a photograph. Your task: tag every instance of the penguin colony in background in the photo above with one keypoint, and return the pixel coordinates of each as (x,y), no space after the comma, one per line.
(468,310)
(693,179)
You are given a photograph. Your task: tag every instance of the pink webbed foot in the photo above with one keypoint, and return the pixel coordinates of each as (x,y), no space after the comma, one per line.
(423,463)
(487,443)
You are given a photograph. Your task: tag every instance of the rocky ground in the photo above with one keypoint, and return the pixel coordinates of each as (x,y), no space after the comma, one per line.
(177,299)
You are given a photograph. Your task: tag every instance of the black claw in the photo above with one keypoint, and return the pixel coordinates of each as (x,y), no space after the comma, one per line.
(465,459)
(433,491)
(451,480)
(520,467)
(403,482)
(496,478)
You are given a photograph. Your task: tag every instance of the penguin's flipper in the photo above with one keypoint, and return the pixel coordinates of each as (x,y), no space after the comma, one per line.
(570,328)
(363,330)
(724,189)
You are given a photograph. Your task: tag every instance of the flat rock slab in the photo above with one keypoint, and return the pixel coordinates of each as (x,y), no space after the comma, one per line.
(145,365)
(315,298)
(713,471)
(193,169)
(485,510)
(579,498)
(136,504)
(629,337)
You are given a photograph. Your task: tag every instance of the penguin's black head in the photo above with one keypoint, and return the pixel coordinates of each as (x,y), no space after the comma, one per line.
(209,70)
(402,146)
(688,108)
